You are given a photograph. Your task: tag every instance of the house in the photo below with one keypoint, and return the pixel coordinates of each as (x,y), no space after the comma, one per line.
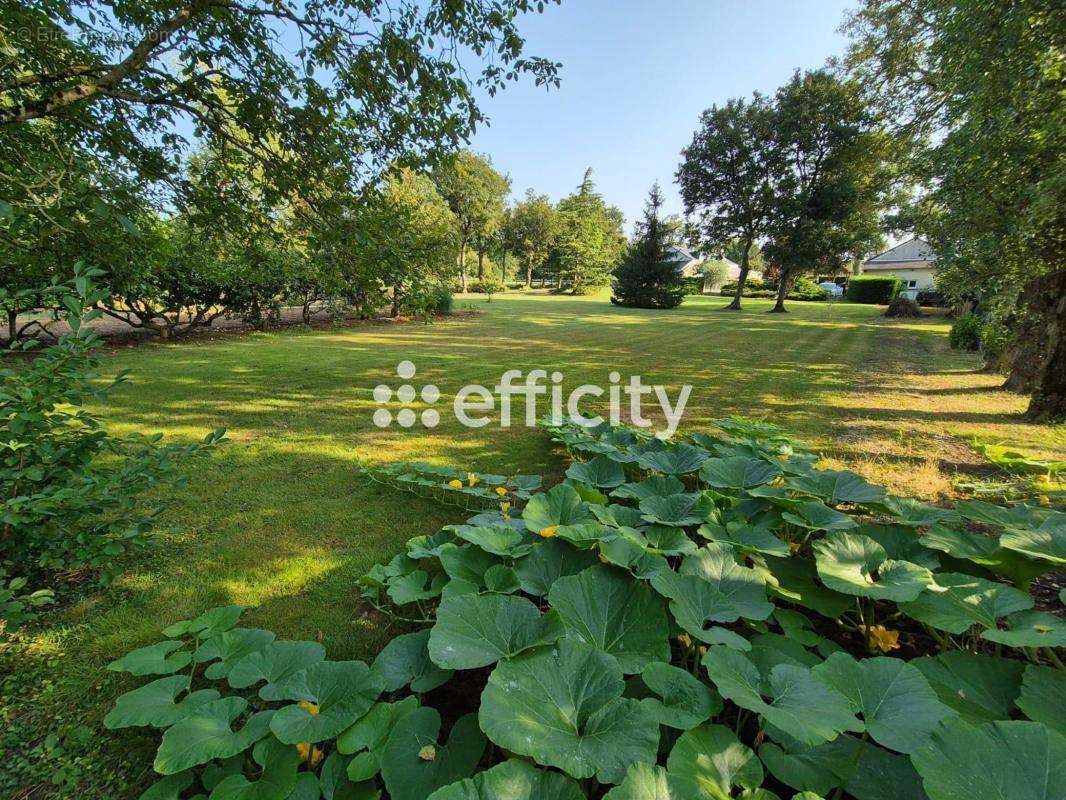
(913,262)
(693,265)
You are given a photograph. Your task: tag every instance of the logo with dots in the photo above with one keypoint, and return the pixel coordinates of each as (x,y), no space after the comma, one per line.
(406,394)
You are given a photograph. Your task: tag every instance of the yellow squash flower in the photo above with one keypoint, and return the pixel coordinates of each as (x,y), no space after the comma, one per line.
(456,484)
(549,532)
(882,638)
(472,479)
(309,707)
(428,753)
(604,559)
(504,508)
(501,491)
(309,753)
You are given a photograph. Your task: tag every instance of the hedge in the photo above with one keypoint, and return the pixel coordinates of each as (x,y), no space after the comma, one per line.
(874,289)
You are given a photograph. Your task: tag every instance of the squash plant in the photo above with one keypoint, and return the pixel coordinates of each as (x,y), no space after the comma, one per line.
(712,618)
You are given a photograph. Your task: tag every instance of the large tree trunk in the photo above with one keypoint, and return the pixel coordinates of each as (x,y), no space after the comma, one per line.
(782,291)
(12,326)
(744,267)
(480,264)
(529,276)
(1045,301)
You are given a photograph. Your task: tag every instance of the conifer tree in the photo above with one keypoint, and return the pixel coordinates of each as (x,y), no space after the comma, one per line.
(647,277)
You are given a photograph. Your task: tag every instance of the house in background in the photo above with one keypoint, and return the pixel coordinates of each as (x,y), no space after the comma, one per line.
(694,265)
(913,262)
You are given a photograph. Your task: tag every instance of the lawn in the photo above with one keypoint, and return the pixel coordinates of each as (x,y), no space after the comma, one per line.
(278,518)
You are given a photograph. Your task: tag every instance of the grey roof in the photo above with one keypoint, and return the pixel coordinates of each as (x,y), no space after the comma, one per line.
(678,253)
(913,250)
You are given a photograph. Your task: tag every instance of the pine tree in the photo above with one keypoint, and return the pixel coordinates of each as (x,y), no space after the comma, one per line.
(647,278)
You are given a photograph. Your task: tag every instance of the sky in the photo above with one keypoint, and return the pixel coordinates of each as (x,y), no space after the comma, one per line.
(636,74)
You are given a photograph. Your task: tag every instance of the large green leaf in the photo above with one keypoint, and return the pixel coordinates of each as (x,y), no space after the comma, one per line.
(985,550)
(800,704)
(549,561)
(1010,760)
(817,516)
(229,647)
(901,544)
(614,612)
(1047,542)
(154,704)
(913,513)
(601,472)
(1043,697)
(1030,629)
(708,761)
(897,704)
(512,780)
(342,690)
(980,688)
(745,538)
(335,784)
(684,701)
(279,664)
(738,472)
(677,460)
(170,787)
(208,734)
(500,540)
(861,768)
(208,624)
(836,486)
(560,505)
(712,587)
(467,563)
(563,707)
(279,763)
(405,660)
(479,629)
(162,658)
(795,579)
(367,737)
(955,602)
(413,765)
(855,564)
(646,782)
(678,510)
(1020,516)
(653,486)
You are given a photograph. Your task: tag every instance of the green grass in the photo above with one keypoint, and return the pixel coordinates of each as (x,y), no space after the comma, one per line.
(278,519)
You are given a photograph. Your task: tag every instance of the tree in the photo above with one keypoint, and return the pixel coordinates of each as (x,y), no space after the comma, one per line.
(647,278)
(831,182)
(727,178)
(734,251)
(590,241)
(974,91)
(477,195)
(529,232)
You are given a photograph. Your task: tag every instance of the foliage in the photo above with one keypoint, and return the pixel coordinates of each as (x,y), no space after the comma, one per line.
(873,289)
(744,621)
(975,90)
(803,288)
(903,307)
(589,241)
(727,178)
(71,491)
(966,333)
(647,277)
(832,182)
(476,194)
(529,232)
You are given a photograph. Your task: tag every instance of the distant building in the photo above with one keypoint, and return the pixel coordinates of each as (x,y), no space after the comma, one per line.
(913,262)
(693,265)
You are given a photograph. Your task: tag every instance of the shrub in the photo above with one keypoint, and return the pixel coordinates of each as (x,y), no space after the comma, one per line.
(966,333)
(666,610)
(70,490)
(692,285)
(931,297)
(806,289)
(903,307)
(489,286)
(873,289)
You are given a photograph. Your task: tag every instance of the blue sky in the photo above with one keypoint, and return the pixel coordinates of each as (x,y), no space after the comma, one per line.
(636,75)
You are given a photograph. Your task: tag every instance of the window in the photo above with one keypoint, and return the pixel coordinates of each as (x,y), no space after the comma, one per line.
(912,284)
